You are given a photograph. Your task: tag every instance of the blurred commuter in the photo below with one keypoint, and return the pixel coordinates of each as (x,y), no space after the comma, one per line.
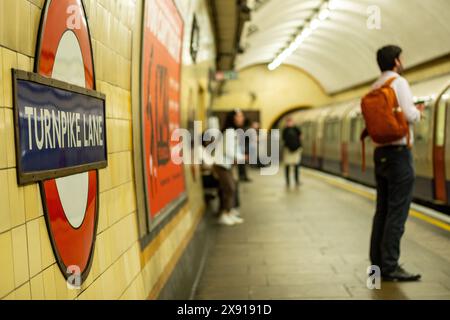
(245,148)
(254,145)
(210,181)
(292,151)
(223,168)
(394,167)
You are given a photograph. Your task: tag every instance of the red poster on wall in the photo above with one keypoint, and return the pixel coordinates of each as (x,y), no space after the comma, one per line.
(160,89)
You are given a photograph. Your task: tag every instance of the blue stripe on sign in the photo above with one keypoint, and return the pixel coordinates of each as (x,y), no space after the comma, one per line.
(58,129)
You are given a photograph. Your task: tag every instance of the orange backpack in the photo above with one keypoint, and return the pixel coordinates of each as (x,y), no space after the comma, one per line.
(385,121)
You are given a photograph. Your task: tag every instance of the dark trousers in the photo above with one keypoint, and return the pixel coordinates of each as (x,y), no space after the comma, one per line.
(242,170)
(227,188)
(395,182)
(288,174)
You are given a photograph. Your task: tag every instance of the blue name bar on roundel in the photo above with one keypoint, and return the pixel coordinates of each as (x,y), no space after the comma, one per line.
(60,128)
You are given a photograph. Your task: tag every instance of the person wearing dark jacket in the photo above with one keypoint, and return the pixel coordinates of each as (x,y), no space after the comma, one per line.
(292,150)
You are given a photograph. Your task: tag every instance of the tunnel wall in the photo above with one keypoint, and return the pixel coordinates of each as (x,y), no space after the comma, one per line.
(275,92)
(124,266)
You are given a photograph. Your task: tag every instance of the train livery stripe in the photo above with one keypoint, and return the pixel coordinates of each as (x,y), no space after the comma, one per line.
(371,196)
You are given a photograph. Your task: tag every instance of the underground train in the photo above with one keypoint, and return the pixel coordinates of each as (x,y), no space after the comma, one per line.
(331,141)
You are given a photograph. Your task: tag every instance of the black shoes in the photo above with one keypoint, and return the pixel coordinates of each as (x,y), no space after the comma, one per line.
(401,275)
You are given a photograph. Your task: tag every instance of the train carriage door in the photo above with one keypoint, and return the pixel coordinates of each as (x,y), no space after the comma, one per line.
(439,159)
(345,139)
(313,135)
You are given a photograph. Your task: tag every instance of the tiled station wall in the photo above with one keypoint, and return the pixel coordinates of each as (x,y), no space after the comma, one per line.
(121,268)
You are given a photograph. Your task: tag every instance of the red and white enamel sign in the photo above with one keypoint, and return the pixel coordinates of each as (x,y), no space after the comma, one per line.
(64,53)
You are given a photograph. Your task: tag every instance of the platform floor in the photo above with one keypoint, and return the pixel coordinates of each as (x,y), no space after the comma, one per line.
(312,243)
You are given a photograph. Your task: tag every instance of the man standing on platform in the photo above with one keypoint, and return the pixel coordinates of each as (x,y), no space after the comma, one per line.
(394,170)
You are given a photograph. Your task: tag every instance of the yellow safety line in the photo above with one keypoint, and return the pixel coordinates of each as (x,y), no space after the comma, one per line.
(365,194)
(430,220)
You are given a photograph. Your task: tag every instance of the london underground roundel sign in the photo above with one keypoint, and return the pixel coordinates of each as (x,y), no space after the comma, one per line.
(64,53)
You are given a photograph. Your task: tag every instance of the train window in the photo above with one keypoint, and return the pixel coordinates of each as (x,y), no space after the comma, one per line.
(332,130)
(329,131)
(337,131)
(441,118)
(305,131)
(354,124)
(422,129)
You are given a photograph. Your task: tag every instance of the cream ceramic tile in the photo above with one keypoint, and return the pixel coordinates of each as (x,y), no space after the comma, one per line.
(10,143)
(60,284)
(16,200)
(104,251)
(99,62)
(2,103)
(38,3)
(104,177)
(6,264)
(20,254)
(24,63)
(24,292)
(108,285)
(114,169)
(9,59)
(104,205)
(128,198)
(88,281)
(126,78)
(10,24)
(47,257)
(110,135)
(127,101)
(87,8)
(37,287)
(2,29)
(5,213)
(48,278)
(35,16)
(23,25)
(3,157)
(33,204)
(114,210)
(95,270)
(10,297)
(34,247)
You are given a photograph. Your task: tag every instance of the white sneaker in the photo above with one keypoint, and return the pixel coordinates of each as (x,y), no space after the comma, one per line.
(226,219)
(235,212)
(237,220)
(235,215)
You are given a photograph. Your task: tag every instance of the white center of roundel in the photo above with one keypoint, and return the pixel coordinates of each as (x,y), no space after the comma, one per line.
(73,190)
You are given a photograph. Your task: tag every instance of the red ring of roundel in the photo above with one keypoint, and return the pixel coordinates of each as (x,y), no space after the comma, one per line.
(71,246)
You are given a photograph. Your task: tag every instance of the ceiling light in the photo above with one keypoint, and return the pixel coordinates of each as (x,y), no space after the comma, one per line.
(306,32)
(333,4)
(315,24)
(324,14)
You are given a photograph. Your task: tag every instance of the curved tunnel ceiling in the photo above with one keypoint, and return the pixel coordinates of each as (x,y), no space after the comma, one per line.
(340,54)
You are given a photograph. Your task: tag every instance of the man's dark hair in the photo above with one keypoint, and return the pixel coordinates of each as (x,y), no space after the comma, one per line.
(386,57)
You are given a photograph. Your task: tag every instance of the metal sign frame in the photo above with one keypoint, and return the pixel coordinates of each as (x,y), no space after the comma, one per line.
(30,177)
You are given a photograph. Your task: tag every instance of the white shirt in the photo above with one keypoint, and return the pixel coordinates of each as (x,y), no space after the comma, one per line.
(405,100)
(228,150)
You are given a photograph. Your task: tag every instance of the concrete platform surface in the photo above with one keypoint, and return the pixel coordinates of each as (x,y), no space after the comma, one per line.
(312,243)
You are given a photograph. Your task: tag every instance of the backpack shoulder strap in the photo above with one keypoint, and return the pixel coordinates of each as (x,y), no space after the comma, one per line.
(389,82)
(363,137)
